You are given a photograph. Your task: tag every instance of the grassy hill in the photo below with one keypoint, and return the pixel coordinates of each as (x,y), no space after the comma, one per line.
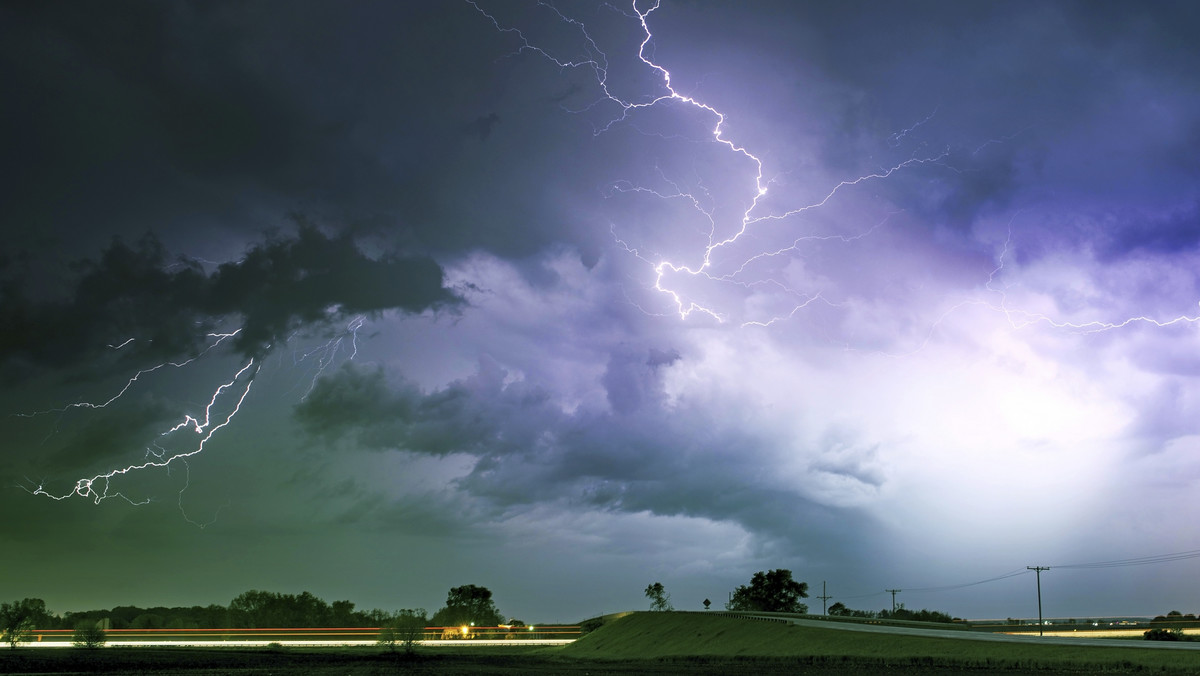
(677,635)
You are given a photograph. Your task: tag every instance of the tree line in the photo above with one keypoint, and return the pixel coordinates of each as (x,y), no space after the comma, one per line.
(900,613)
(248,610)
(468,605)
(774,591)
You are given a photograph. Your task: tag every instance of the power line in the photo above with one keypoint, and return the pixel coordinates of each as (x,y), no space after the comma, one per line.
(946,587)
(1139,561)
(968,584)
(862,596)
(893,592)
(1118,563)
(824,597)
(1038,570)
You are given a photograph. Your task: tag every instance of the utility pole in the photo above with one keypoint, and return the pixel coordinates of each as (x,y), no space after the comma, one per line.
(824,597)
(894,592)
(1038,570)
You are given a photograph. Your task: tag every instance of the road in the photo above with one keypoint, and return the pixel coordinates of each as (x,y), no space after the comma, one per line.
(974,635)
(337,636)
(294,643)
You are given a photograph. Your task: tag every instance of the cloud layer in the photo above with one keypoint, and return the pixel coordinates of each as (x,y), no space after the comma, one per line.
(924,312)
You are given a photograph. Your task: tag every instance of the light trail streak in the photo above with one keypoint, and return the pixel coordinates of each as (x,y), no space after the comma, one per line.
(541,635)
(315,643)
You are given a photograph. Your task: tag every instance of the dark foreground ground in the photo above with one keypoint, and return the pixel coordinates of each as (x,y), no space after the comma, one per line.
(195,661)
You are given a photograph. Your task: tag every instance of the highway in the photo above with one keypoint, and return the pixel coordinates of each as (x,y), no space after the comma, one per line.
(312,637)
(236,643)
(1051,638)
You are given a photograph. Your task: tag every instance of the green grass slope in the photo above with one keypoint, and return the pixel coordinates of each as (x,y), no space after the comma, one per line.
(646,634)
(669,635)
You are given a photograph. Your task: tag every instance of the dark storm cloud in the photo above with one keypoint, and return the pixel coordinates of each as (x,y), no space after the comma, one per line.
(460,418)
(669,461)
(1032,102)
(279,286)
(165,116)
(97,439)
(284,285)
(129,292)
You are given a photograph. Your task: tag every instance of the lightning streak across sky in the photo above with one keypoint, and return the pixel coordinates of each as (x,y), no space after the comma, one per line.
(726,258)
(720,235)
(326,353)
(174,445)
(220,337)
(98,486)
(1019,318)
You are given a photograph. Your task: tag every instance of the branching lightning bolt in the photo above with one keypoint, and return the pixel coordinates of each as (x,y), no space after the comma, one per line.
(326,353)
(191,431)
(754,214)
(220,337)
(704,265)
(98,486)
(1021,318)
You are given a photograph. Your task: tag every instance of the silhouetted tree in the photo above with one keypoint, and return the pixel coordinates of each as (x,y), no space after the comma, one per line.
(342,614)
(1174,619)
(659,598)
(147,621)
(922,615)
(19,618)
(839,609)
(1161,634)
(258,609)
(468,605)
(773,592)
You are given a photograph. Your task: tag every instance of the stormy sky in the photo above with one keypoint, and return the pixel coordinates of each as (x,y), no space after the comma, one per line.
(380,298)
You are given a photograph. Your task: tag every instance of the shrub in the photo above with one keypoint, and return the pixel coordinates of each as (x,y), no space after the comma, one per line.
(405,628)
(1163,635)
(588,626)
(89,635)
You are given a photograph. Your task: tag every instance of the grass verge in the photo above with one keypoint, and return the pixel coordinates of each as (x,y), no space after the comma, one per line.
(695,635)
